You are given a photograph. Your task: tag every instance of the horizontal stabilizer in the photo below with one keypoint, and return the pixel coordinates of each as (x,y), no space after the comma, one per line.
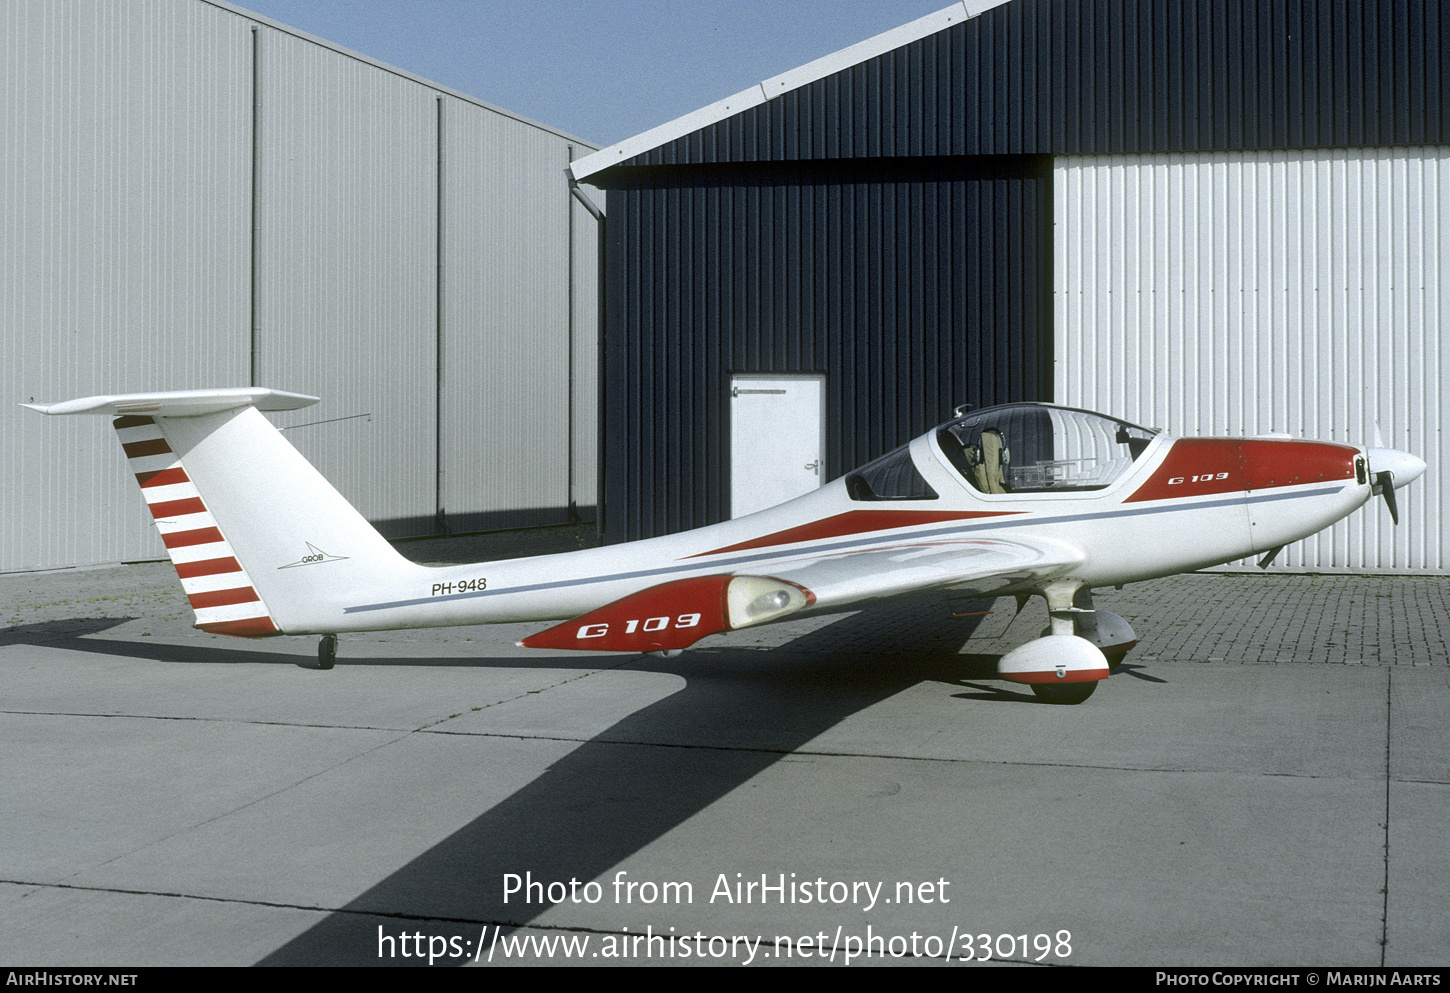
(179,403)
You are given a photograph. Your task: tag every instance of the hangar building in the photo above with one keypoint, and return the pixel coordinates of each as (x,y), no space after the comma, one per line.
(1208,216)
(194,196)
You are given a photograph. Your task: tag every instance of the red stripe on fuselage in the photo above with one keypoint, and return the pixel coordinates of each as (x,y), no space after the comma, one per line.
(1205,466)
(856,522)
(1195,467)
(1271,463)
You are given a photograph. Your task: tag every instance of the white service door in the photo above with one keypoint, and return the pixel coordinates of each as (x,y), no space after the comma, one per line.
(777,439)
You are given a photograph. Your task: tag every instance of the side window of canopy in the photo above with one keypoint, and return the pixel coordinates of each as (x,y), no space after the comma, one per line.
(891,477)
(1034,449)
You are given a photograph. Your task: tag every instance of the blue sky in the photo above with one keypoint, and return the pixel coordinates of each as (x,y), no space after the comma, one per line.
(601,71)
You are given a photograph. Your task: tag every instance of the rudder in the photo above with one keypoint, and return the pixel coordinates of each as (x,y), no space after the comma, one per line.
(219,589)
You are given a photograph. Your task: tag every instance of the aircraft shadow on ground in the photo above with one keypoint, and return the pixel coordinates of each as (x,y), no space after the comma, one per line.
(610,797)
(60,633)
(80,635)
(740,712)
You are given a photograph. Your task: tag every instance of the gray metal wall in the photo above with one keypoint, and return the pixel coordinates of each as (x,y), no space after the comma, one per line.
(124,232)
(1249,292)
(194,197)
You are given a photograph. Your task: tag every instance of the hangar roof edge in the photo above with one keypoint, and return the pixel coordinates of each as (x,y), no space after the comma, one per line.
(775,86)
(234,7)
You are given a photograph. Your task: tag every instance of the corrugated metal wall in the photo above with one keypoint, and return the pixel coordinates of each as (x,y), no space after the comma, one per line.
(914,286)
(1265,290)
(1243,293)
(1100,76)
(506,326)
(124,164)
(127,257)
(347,272)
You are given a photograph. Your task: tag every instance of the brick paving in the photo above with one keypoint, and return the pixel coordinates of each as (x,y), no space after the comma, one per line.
(1230,618)
(1345,620)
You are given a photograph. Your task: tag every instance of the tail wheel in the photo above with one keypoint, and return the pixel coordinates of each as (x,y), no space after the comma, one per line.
(326,651)
(1064,693)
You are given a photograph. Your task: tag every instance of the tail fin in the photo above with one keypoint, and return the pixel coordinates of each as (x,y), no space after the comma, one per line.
(262,543)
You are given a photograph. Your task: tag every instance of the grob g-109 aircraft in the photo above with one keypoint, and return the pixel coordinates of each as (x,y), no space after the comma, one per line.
(1020,499)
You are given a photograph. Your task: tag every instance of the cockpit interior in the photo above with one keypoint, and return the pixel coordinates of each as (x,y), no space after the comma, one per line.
(1017,448)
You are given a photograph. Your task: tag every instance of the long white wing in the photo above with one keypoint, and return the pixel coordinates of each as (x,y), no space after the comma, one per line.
(982,566)
(676,614)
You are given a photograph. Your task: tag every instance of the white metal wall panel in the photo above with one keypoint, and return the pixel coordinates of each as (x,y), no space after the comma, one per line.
(124,175)
(347,271)
(505,342)
(1244,293)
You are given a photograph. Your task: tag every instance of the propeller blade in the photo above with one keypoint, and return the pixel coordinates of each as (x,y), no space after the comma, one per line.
(1385,482)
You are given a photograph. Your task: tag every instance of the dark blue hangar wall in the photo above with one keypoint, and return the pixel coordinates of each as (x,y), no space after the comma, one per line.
(913,285)
(890,226)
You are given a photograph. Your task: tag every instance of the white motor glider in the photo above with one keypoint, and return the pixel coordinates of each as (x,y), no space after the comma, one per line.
(1020,499)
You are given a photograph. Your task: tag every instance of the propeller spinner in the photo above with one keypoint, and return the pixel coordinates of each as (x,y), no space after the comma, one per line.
(1390,468)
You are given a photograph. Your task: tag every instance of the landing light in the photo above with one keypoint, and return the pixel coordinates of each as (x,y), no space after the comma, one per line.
(769,601)
(755,600)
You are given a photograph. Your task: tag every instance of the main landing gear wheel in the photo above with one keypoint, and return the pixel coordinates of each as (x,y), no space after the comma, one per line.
(326,651)
(1064,692)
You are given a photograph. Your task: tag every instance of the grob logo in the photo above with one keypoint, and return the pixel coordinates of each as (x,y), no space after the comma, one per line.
(314,555)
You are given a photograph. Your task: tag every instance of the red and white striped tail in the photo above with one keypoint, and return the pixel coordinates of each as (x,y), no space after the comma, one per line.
(240,511)
(222,594)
